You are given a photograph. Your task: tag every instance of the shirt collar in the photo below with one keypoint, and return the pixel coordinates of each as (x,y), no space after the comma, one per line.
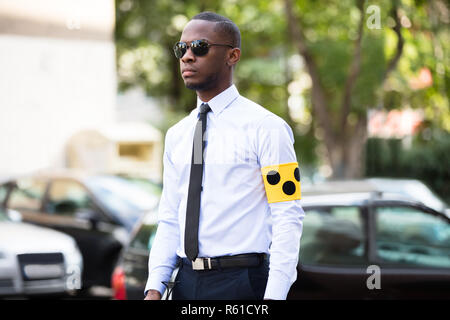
(221,101)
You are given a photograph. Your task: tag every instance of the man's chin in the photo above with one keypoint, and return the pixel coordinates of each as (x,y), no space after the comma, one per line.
(199,86)
(194,86)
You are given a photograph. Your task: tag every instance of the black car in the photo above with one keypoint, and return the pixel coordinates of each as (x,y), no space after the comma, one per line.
(354,246)
(98,211)
(372,246)
(130,275)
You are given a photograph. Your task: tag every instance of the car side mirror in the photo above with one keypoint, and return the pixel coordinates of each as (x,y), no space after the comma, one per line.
(14,215)
(88,215)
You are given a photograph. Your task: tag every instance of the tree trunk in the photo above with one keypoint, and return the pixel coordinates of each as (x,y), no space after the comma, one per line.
(346,154)
(344,142)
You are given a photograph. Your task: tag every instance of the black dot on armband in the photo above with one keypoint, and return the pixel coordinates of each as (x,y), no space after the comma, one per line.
(297,174)
(289,188)
(273,177)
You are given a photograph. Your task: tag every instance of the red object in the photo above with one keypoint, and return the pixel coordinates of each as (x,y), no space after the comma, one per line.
(118,284)
(423,80)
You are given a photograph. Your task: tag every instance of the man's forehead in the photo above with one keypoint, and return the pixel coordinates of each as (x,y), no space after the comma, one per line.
(199,29)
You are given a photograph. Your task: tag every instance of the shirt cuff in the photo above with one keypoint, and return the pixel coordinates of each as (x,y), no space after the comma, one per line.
(277,287)
(155,283)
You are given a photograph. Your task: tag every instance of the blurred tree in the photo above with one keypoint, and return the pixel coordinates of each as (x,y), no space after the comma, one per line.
(353,64)
(347,65)
(355,60)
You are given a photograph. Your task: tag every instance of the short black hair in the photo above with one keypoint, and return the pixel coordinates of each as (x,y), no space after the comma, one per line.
(224,26)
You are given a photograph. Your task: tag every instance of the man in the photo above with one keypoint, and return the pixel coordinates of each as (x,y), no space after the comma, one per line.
(231,183)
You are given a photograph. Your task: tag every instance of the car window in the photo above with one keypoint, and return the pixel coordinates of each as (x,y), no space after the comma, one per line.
(332,236)
(124,200)
(411,237)
(66,197)
(27,195)
(3,215)
(143,239)
(3,192)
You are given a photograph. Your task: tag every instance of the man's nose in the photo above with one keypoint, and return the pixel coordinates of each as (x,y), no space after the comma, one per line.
(189,56)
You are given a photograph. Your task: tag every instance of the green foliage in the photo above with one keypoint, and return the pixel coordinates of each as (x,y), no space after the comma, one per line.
(426,160)
(147,29)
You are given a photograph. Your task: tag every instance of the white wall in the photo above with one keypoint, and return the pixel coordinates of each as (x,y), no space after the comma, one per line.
(51,87)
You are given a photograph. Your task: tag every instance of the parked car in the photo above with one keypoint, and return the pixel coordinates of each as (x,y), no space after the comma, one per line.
(412,188)
(344,236)
(98,211)
(36,260)
(130,275)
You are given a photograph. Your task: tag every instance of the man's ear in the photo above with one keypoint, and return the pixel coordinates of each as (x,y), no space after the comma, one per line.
(234,56)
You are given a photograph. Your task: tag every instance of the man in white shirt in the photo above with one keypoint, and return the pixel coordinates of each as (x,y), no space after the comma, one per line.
(230,215)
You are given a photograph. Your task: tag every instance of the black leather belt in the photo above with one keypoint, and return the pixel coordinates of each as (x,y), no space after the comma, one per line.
(240,260)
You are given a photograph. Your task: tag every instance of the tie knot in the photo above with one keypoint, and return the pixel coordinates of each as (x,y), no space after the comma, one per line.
(204,108)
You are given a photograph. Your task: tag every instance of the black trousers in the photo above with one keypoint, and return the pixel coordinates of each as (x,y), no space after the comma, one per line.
(222,284)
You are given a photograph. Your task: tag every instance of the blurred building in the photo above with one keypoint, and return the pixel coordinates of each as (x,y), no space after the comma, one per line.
(57,79)
(135,105)
(132,148)
(394,123)
(57,62)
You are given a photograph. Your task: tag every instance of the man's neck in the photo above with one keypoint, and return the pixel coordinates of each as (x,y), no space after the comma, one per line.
(205,96)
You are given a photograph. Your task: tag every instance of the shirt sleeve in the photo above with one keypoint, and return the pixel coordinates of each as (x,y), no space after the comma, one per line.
(163,257)
(275,146)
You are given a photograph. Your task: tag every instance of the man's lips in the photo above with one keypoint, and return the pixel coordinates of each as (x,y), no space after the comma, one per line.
(188,72)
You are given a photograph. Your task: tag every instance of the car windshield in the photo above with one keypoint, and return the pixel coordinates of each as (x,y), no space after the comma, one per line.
(147,184)
(411,188)
(123,199)
(3,216)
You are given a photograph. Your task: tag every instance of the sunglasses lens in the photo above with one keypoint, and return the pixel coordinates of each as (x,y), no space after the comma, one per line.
(179,49)
(200,47)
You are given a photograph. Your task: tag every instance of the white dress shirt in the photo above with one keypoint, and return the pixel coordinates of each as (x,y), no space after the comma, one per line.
(235,218)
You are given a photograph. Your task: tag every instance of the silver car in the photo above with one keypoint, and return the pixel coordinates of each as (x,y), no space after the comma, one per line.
(410,188)
(36,260)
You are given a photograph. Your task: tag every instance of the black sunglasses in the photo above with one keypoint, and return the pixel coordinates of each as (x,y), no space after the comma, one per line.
(198,47)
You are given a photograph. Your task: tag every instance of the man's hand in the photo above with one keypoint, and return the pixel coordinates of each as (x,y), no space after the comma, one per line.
(153,295)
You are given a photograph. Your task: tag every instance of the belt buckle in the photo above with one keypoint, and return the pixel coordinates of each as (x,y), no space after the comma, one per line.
(199,264)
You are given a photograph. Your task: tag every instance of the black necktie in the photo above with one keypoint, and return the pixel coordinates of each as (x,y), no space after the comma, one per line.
(195,187)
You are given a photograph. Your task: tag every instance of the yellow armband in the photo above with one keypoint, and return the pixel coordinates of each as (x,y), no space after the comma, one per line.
(282,182)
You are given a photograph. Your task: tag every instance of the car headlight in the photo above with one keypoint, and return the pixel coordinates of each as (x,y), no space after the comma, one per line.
(74,267)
